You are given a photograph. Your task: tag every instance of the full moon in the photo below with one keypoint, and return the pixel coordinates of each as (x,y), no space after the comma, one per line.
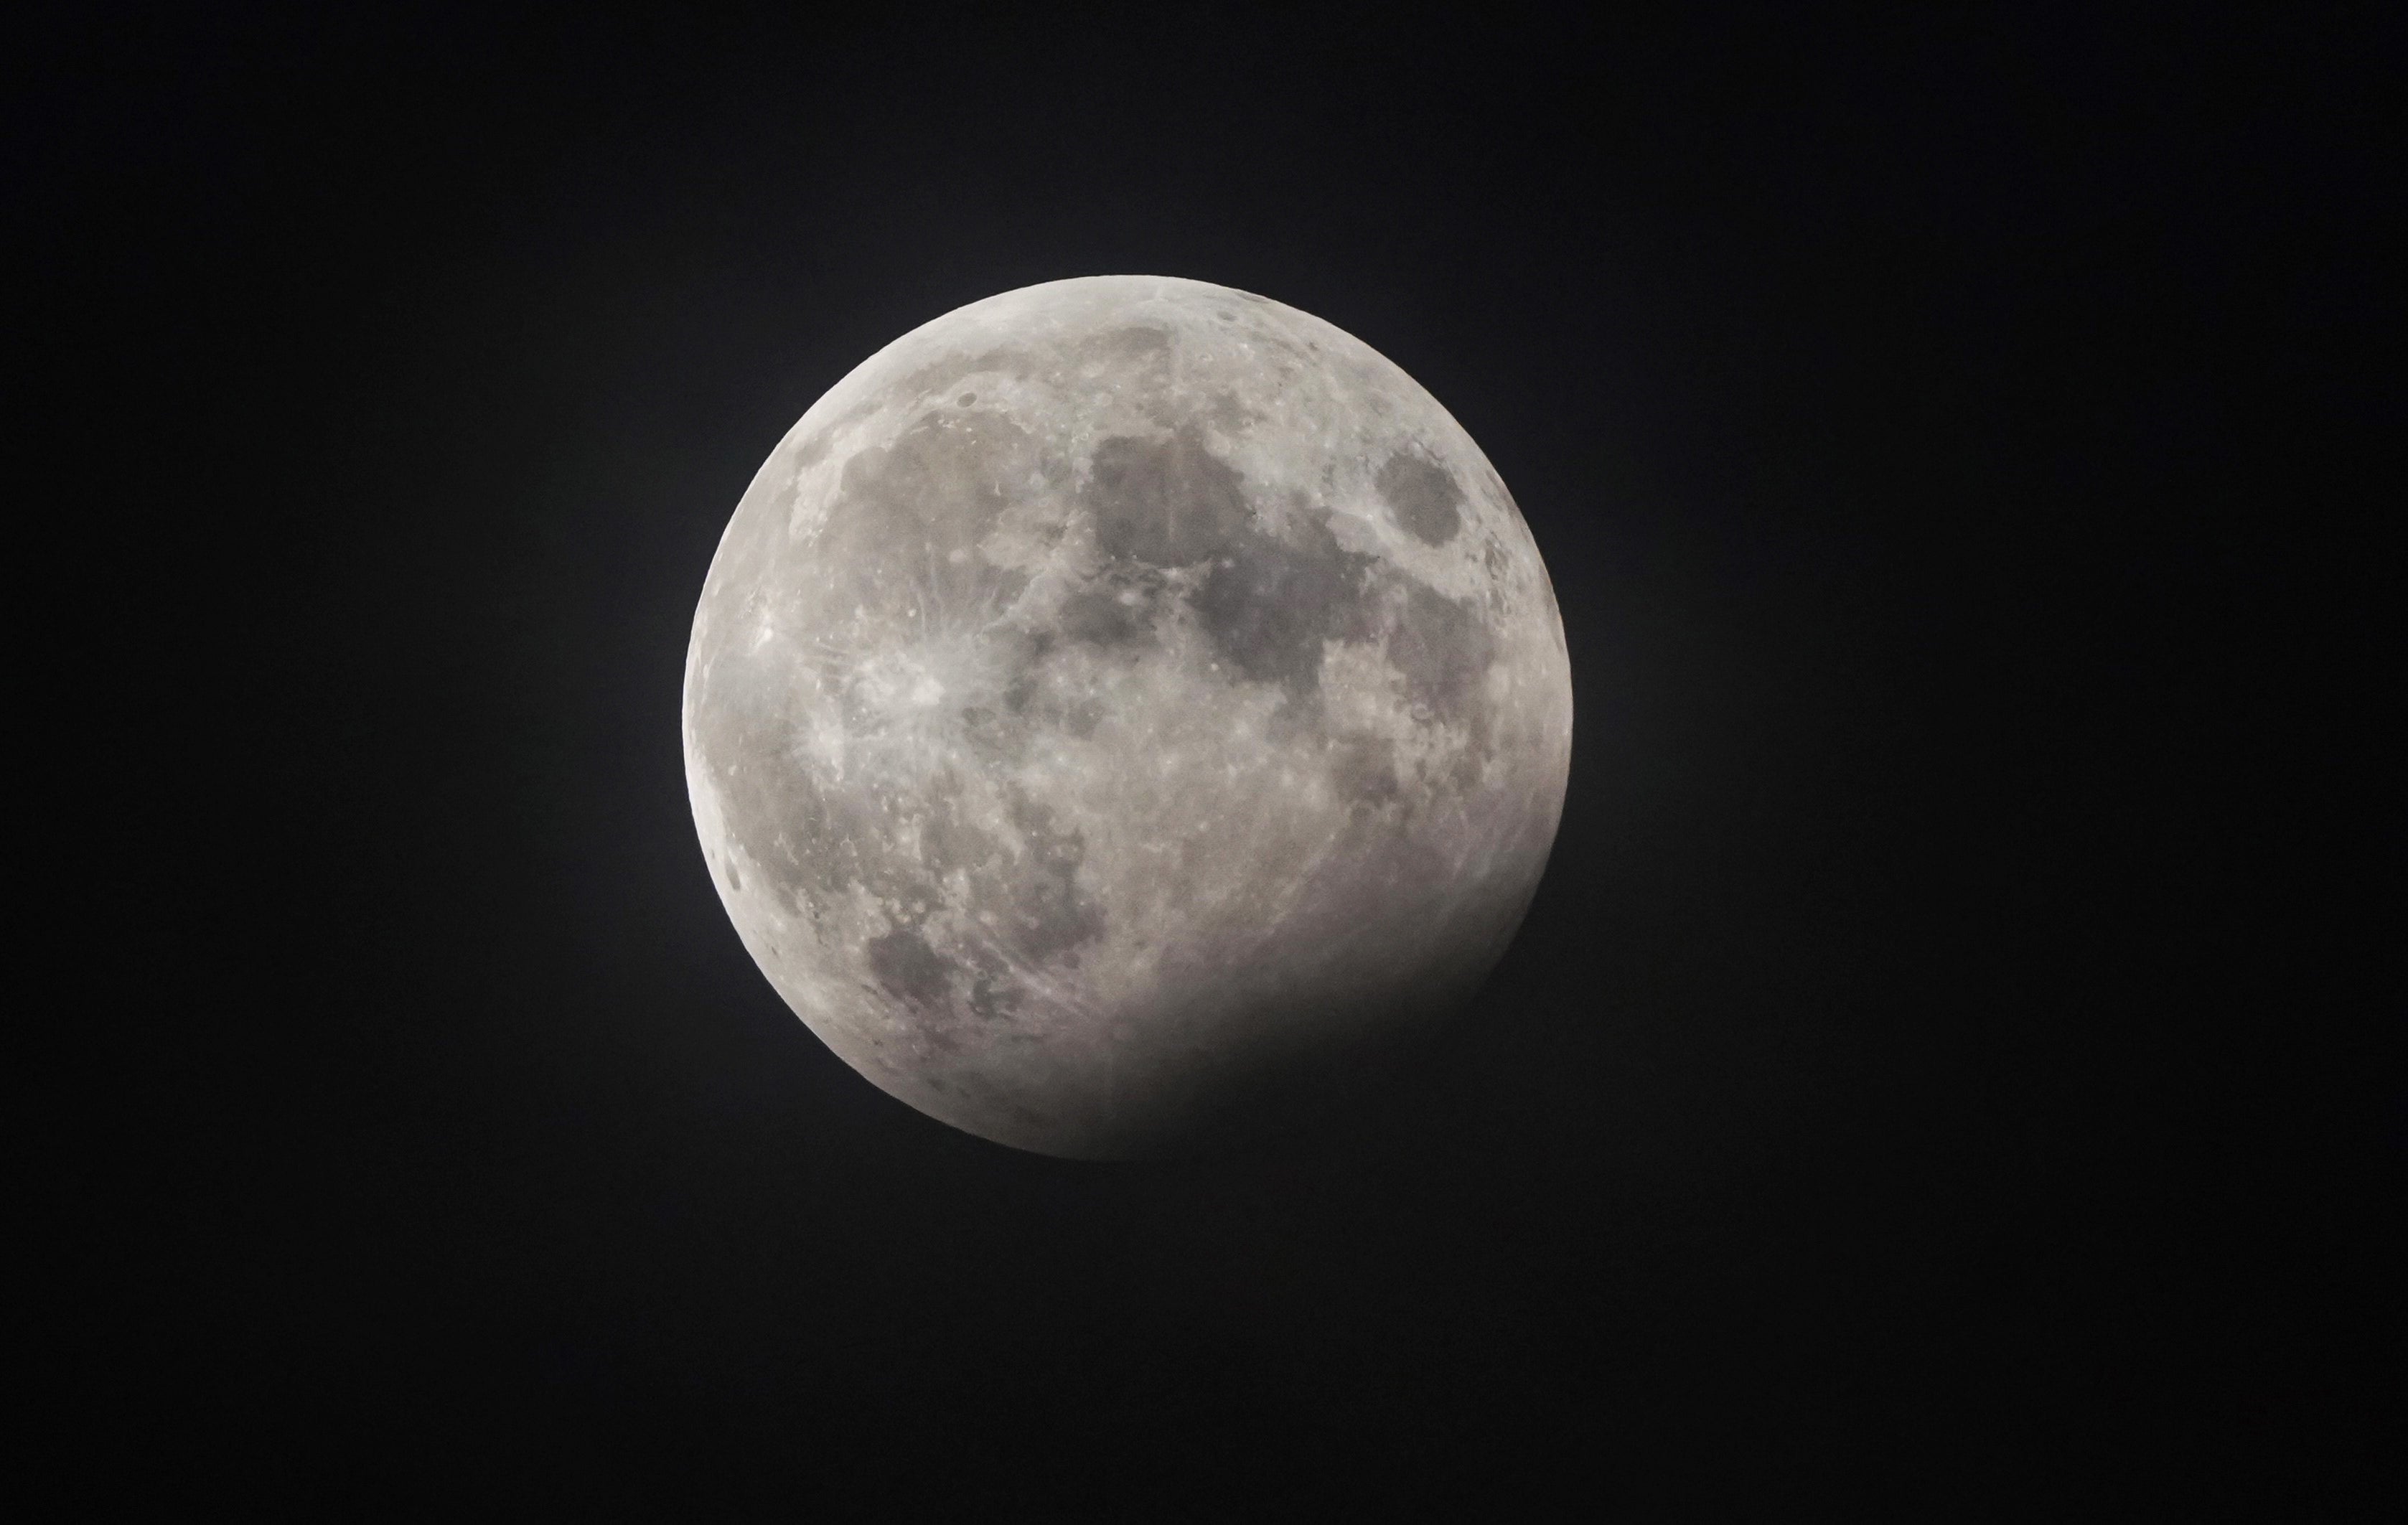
(1125,714)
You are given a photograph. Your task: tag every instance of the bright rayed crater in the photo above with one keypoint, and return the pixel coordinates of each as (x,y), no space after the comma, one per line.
(1124,714)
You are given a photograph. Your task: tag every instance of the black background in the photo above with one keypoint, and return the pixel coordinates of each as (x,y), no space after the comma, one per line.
(1872,1102)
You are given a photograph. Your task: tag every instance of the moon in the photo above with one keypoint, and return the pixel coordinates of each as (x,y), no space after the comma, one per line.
(1125,714)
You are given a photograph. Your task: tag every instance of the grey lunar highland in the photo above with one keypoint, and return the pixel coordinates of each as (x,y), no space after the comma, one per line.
(1124,712)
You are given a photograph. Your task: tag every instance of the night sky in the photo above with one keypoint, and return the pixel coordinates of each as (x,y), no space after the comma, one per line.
(1855,1113)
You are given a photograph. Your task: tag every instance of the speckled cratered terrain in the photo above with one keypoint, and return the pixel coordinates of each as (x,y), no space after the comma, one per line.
(1124,712)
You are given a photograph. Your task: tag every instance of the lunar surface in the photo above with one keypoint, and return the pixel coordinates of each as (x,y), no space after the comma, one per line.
(1124,714)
